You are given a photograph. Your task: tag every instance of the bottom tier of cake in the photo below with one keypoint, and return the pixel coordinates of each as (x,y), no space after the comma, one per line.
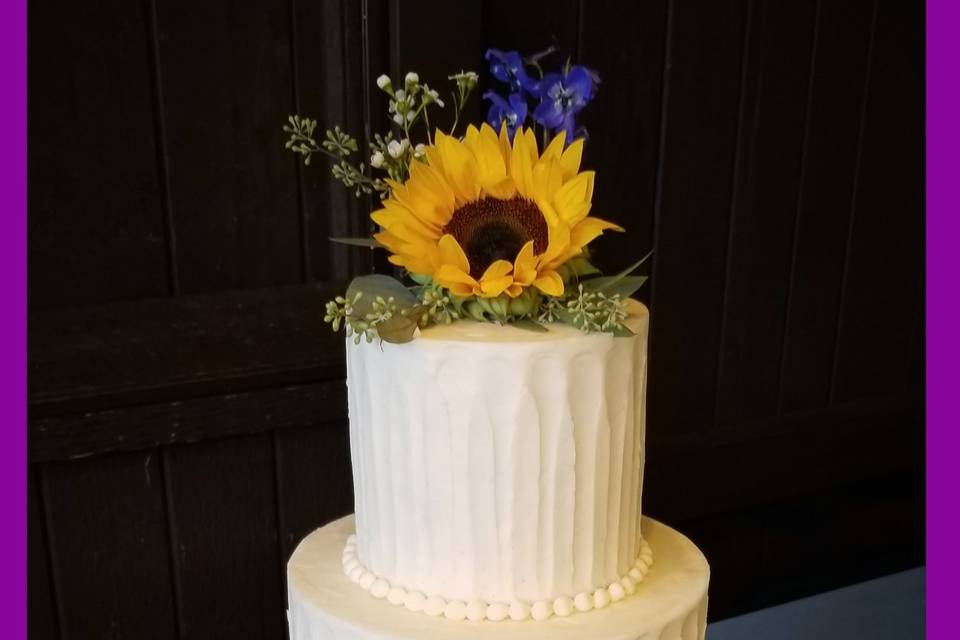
(324,604)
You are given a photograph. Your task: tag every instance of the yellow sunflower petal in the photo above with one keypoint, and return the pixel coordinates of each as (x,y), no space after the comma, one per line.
(525,265)
(504,189)
(457,281)
(547,179)
(570,159)
(521,165)
(573,191)
(588,229)
(555,148)
(550,283)
(559,240)
(461,169)
(503,138)
(495,279)
(450,253)
(497,269)
(486,151)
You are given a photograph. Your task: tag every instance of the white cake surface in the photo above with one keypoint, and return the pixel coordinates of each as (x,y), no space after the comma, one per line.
(324,604)
(498,467)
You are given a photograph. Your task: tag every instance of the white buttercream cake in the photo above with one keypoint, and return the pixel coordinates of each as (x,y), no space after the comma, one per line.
(498,472)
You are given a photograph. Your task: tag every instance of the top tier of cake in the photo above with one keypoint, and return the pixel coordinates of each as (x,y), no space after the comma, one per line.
(496,464)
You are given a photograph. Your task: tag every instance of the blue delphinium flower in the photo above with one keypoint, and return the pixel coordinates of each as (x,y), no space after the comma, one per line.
(562,97)
(507,66)
(512,110)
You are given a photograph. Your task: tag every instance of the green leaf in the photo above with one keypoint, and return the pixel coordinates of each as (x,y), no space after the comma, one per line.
(400,328)
(379,285)
(420,278)
(626,286)
(606,284)
(563,315)
(622,331)
(580,267)
(529,325)
(369,243)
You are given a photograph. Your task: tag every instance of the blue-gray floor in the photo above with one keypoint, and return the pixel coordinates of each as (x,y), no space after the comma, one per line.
(888,608)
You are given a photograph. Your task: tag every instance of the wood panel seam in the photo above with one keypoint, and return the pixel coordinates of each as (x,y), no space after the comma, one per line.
(853,204)
(55,578)
(163,158)
(732,212)
(172,542)
(797,212)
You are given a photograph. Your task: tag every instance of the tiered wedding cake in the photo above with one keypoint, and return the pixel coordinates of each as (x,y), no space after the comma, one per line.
(498,475)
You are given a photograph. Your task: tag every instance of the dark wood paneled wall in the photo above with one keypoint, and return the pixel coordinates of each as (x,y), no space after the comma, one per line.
(187,412)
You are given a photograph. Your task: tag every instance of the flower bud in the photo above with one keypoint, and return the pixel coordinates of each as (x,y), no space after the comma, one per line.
(474,310)
(376,160)
(383,82)
(412,79)
(522,304)
(397,148)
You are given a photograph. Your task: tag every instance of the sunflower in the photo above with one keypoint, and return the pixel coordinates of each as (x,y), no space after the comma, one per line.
(482,217)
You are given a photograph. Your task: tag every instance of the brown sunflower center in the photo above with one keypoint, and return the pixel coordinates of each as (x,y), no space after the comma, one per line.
(491,229)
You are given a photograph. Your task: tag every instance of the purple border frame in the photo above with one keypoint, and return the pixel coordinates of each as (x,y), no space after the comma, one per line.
(13,266)
(943,312)
(943,315)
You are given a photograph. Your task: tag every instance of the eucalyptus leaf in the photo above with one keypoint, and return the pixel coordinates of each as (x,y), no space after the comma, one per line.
(369,243)
(375,285)
(529,325)
(398,329)
(626,286)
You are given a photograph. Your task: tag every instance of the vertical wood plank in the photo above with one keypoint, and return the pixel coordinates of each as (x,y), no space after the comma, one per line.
(314,480)
(41,607)
(698,148)
(624,43)
(879,343)
(531,26)
(222,504)
(96,228)
(823,213)
(327,60)
(108,538)
(455,28)
(374,39)
(775,99)
(226,71)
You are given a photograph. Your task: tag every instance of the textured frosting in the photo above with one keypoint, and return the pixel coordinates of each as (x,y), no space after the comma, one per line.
(497,465)
(477,610)
(669,604)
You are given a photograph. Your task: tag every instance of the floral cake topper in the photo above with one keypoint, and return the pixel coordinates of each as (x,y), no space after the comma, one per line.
(488,225)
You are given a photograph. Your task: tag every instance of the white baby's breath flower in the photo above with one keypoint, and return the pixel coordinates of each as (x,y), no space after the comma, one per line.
(400,95)
(398,118)
(412,78)
(465,79)
(383,81)
(411,115)
(376,160)
(397,148)
(419,150)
